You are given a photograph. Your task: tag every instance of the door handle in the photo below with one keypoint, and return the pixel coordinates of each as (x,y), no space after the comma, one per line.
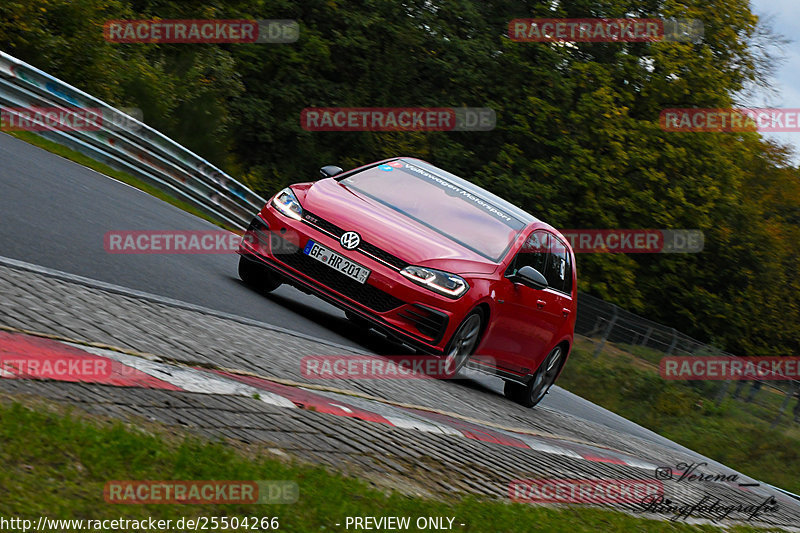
(540,303)
(566,311)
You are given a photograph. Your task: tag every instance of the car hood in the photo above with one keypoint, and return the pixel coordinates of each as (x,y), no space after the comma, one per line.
(391,231)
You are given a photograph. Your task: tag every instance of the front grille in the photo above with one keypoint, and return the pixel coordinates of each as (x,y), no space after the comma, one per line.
(323,224)
(365,247)
(429,322)
(365,294)
(386,257)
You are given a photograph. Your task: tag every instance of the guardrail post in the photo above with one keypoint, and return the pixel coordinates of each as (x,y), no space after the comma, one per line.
(753,391)
(596,327)
(674,341)
(723,391)
(607,332)
(793,388)
(646,338)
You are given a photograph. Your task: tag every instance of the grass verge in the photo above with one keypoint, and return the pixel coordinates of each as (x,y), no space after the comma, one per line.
(682,411)
(56,464)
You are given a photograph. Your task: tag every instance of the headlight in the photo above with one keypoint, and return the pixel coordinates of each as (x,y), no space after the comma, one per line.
(286,202)
(445,283)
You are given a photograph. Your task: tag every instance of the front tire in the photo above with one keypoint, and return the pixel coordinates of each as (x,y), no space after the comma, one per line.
(539,385)
(258,276)
(463,343)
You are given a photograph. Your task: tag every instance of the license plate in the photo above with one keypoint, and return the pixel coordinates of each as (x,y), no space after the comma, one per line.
(337,262)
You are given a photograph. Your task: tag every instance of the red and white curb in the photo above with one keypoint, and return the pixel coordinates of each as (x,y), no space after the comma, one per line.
(131,371)
(189,379)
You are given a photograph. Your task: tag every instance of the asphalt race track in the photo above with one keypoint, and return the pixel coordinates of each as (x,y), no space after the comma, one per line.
(55,213)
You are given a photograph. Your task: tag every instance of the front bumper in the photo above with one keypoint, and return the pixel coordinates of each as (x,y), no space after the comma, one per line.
(389,301)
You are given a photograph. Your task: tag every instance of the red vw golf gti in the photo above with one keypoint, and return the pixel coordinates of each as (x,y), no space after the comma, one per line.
(428,258)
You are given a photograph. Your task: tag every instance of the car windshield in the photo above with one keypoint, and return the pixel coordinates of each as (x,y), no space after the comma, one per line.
(440,204)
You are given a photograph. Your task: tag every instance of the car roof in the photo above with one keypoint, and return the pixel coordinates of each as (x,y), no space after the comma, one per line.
(496,201)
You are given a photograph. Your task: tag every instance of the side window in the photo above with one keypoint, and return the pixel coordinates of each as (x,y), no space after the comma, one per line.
(559,268)
(533,253)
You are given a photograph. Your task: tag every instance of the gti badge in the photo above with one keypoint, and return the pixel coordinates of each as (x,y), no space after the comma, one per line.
(350,240)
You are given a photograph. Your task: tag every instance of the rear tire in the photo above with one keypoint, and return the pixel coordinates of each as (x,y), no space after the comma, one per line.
(539,385)
(258,276)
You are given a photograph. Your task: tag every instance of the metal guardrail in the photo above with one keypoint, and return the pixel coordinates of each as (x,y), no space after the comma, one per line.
(130,146)
(608,325)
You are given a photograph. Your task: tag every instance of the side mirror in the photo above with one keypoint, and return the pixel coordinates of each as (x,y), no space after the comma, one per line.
(329,171)
(531,277)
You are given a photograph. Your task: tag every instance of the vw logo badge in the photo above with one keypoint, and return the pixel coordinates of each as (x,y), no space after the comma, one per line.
(350,240)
